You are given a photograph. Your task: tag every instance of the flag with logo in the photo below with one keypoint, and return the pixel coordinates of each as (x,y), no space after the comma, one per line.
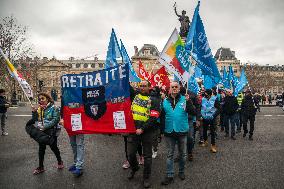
(113,51)
(97,102)
(210,82)
(160,79)
(225,79)
(232,78)
(193,85)
(132,74)
(241,84)
(142,73)
(176,59)
(17,76)
(197,45)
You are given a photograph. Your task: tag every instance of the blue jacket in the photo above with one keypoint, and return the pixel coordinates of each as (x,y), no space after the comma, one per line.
(209,108)
(176,119)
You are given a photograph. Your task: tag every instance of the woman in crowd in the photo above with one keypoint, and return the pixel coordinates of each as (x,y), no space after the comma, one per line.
(46,117)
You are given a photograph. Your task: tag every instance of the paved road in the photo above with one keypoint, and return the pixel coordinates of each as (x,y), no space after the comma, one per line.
(238,164)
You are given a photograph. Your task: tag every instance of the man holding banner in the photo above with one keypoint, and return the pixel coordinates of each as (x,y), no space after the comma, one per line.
(146,111)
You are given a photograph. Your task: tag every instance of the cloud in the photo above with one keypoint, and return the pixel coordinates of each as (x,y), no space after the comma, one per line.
(254,29)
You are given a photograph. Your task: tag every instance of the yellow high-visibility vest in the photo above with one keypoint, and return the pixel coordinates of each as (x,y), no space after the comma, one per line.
(141,108)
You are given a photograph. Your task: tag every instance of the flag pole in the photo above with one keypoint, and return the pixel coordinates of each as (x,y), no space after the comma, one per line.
(9,65)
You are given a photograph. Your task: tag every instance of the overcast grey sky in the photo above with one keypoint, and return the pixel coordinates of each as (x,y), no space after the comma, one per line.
(79,28)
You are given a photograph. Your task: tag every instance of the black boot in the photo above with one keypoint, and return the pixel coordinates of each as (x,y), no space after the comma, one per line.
(132,173)
(146,183)
(181,176)
(250,137)
(167,180)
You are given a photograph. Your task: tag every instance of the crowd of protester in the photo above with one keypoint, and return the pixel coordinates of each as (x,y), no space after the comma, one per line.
(177,115)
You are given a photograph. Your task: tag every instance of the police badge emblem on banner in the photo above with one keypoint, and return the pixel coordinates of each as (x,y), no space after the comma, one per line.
(94,102)
(97,102)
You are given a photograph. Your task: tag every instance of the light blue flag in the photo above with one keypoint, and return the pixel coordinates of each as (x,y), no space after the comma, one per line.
(210,81)
(197,45)
(193,85)
(225,79)
(242,83)
(231,73)
(232,78)
(197,72)
(132,74)
(113,51)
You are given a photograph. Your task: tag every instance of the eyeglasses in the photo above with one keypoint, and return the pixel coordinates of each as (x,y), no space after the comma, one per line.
(174,87)
(143,85)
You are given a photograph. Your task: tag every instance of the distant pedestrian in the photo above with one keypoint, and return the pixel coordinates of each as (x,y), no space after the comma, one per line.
(263,99)
(4,105)
(239,117)
(249,108)
(269,99)
(229,109)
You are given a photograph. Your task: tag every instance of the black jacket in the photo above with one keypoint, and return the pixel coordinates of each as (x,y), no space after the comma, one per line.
(3,101)
(248,107)
(196,104)
(230,105)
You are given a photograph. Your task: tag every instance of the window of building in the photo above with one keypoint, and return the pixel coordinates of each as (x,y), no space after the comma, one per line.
(101,65)
(85,65)
(52,74)
(78,65)
(147,52)
(93,65)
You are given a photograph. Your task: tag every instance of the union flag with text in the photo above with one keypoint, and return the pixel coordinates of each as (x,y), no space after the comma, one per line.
(97,102)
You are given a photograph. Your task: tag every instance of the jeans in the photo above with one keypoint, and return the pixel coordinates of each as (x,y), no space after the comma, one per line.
(230,119)
(211,124)
(53,147)
(133,143)
(3,121)
(171,141)
(78,146)
(239,121)
(251,119)
(190,137)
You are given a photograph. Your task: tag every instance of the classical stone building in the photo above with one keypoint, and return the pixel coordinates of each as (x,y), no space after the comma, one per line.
(266,79)
(226,57)
(44,74)
(51,71)
(149,55)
